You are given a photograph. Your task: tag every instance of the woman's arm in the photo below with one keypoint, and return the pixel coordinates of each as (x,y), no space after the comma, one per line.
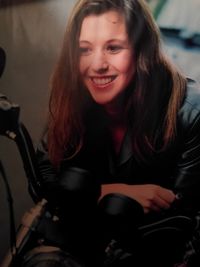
(151,197)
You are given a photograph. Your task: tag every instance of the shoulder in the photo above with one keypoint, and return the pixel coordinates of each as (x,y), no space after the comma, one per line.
(192,97)
(190,108)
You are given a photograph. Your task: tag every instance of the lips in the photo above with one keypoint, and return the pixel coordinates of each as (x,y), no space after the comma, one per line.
(102,81)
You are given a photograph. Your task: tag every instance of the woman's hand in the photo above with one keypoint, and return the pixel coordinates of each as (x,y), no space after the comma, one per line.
(151,197)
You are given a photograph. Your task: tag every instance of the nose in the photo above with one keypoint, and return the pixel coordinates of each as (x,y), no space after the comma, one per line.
(100,62)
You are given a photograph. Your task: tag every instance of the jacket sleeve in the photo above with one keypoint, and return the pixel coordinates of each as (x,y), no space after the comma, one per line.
(48,174)
(187,179)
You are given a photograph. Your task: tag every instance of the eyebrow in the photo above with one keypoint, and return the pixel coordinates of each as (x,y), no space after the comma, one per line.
(123,42)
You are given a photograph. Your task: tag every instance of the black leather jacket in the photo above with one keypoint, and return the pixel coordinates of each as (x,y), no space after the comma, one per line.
(176,168)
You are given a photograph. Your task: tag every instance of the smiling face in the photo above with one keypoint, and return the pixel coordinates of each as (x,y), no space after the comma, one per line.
(106,57)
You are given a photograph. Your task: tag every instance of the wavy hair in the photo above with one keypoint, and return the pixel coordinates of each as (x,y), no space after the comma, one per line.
(154,95)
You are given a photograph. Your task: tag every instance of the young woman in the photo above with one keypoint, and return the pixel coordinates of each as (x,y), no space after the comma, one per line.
(121,110)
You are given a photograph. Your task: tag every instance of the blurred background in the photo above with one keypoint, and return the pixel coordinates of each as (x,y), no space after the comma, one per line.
(31,33)
(179,22)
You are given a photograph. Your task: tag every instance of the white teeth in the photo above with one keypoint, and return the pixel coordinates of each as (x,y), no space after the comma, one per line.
(102,81)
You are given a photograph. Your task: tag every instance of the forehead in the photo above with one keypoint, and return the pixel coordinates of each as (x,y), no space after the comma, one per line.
(108,24)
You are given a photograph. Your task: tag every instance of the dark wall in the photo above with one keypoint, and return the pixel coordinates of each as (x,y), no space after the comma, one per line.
(31,34)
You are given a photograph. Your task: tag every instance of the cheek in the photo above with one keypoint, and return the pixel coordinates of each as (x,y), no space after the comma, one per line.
(84,64)
(123,64)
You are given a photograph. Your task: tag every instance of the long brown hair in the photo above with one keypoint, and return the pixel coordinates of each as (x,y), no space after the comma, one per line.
(154,95)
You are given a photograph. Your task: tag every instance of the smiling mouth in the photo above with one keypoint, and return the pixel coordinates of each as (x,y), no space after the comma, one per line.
(102,81)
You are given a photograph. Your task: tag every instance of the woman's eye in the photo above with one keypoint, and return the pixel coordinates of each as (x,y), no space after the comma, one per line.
(114,48)
(84,50)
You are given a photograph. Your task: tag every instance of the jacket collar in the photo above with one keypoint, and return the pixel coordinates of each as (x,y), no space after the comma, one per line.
(126,149)
(116,161)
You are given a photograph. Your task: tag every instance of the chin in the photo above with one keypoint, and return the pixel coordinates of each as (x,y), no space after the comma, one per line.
(101,102)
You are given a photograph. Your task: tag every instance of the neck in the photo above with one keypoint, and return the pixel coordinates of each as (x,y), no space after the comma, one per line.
(115,114)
